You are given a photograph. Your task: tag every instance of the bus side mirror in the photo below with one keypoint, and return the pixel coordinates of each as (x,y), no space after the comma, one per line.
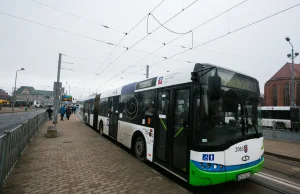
(214,87)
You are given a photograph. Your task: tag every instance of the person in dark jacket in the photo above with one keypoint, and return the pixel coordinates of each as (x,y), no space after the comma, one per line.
(68,112)
(62,112)
(74,109)
(49,111)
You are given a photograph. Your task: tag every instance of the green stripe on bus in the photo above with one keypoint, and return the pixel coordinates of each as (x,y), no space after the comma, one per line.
(178,132)
(162,122)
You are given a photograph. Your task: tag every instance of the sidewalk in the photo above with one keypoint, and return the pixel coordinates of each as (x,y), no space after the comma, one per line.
(79,160)
(284,149)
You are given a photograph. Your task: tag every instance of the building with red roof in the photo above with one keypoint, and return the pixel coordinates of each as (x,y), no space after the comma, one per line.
(278,88)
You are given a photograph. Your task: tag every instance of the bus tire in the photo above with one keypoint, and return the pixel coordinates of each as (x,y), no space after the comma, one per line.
(140,148)
(101,128)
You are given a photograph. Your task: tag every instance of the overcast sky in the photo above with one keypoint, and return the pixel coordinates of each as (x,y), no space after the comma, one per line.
(259,50)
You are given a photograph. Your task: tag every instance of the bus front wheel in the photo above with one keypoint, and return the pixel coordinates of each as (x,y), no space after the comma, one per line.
(140,148)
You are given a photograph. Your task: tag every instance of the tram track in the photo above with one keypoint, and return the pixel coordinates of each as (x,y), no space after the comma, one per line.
(268,186)
(282,160)
(288,163)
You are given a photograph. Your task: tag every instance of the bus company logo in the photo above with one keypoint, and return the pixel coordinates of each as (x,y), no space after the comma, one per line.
(245,148)
(160,80)
(245,158)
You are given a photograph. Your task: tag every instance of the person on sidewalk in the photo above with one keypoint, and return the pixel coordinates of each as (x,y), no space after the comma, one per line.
(49,111)
(62,112)
(74,109)
(69,112)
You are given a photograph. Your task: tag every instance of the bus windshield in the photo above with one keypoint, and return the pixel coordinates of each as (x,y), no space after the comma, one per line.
(234,116)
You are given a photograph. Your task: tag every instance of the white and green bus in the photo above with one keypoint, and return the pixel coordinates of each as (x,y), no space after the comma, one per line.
(202,123)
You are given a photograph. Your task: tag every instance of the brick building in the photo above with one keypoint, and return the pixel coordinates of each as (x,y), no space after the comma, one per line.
(4,95)
(278,88)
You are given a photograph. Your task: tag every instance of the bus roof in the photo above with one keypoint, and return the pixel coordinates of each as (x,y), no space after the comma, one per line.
(179,76)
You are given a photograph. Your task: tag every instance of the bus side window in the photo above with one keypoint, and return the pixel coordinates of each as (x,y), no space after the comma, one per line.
(148,107)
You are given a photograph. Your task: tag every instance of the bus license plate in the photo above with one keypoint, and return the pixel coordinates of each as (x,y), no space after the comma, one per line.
(243,176)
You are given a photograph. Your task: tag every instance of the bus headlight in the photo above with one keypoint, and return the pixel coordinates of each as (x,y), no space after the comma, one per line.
(209,166)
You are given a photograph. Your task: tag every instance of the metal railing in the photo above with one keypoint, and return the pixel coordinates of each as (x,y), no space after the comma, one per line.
(14,142)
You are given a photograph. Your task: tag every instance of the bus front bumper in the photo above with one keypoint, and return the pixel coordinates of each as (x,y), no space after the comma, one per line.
(199,177)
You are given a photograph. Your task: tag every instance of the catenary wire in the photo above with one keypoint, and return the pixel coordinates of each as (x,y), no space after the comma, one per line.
(99,24)
(59,29)
(202,24)
(150,33)
(122,40)
(222,36)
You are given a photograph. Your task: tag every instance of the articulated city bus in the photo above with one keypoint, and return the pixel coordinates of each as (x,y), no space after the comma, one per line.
(201,123)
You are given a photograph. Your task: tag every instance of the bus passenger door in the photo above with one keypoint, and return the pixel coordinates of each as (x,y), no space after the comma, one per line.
(171,132)
(179,134)
(113,117)
(160,136)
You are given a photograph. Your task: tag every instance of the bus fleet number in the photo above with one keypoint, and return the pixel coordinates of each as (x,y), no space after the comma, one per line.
(239,149)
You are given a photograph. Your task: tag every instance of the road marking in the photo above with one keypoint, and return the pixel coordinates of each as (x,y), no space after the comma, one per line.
(279,180)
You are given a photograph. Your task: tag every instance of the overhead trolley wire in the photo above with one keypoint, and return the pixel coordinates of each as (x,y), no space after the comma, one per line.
(182,34)
(163,23)
(123,39)
(162,26)
(222,36)
(107,27)
(77,16)
(59,29)
(99,24)
(239,29)
(154,29)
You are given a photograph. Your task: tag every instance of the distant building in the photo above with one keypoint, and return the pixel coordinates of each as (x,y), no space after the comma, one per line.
(25,95)
(278,88)
(4,95)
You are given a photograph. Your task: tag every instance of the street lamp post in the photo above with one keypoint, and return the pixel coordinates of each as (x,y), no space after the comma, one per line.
(14,101)
(292,56)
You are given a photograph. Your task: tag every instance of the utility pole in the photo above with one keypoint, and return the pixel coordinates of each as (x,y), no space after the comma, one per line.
(57,89)
(147,71)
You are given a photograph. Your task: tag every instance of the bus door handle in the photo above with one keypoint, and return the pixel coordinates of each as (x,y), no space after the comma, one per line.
(186,128)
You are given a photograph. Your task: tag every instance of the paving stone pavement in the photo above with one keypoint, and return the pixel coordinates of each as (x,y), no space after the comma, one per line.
(79,160)
(291,149)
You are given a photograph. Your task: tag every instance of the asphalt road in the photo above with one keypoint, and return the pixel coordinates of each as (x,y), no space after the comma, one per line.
(10,121)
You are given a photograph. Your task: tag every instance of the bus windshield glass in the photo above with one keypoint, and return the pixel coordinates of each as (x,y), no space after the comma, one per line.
(231,117)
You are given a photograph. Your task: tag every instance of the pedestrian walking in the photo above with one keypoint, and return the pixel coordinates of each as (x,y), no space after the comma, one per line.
(49,111)
(68,112)
(73,109)
(62,112)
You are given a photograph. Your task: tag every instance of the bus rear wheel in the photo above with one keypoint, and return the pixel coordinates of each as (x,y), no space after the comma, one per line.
(140,148)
